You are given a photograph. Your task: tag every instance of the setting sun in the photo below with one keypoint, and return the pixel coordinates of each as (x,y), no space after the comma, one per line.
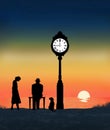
(84,96)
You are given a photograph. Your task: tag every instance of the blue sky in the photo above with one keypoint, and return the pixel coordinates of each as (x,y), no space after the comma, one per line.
(76,18)
(55,13)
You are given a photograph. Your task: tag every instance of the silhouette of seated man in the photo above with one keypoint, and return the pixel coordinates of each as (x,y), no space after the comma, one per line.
(37,90)
(51,104)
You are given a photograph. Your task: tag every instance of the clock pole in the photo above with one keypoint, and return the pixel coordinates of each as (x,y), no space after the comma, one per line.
(60,72)
(60,46)
(60,104)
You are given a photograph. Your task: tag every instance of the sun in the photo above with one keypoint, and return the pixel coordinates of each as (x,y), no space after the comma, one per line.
(83,96)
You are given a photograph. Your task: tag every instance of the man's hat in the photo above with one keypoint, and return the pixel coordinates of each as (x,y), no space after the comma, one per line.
(37,80)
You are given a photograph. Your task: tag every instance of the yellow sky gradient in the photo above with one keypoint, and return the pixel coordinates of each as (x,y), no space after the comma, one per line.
(82,69)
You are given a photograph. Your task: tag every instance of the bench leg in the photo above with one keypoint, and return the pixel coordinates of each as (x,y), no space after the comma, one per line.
(44,102)
(29,103)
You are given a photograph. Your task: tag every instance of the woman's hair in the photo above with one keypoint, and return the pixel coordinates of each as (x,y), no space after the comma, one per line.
(17,78)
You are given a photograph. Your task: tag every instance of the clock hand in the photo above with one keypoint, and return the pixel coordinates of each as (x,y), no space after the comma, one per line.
(60,44)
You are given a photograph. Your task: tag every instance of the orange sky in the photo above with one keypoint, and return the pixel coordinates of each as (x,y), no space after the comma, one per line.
(81,70)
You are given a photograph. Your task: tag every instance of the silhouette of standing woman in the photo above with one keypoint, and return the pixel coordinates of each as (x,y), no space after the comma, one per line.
(15,94)
(37,90)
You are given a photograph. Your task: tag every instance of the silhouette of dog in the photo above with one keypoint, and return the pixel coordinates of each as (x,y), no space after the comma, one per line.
(51,105)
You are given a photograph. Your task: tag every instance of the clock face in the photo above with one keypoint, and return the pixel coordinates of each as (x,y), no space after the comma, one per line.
(60,45)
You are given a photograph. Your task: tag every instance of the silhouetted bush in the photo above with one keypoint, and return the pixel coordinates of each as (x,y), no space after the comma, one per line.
(106,105)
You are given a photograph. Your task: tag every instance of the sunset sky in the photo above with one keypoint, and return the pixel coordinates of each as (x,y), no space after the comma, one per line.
(26,31)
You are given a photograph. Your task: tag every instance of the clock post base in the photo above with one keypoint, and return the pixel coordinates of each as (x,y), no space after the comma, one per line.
(60,104)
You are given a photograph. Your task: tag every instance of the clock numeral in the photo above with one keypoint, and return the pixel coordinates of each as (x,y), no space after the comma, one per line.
(54,48)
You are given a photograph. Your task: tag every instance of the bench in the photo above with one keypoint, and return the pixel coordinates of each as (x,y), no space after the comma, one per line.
(30,102)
